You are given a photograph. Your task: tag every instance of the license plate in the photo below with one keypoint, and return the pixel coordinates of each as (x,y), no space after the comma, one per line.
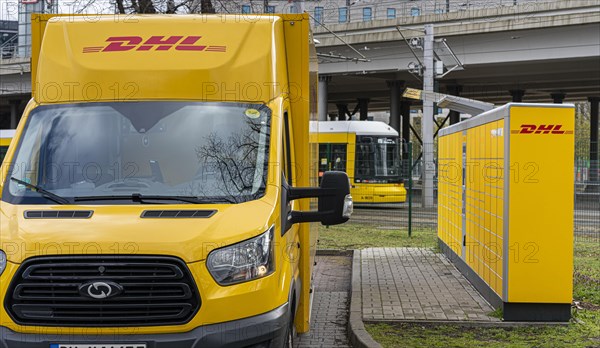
(98,345)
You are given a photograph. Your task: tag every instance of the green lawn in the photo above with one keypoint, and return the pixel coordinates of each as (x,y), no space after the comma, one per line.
(584,334)
(586,286)
(354,236)
(583,331)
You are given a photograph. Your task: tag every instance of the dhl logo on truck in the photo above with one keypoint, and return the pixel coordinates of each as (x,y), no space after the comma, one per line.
(540,129)
(153,43)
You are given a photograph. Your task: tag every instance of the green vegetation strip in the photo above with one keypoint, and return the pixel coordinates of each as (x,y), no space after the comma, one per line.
(583,331)
(355,236)
(584,334)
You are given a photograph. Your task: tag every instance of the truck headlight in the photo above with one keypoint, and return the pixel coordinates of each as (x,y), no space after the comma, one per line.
(2,261)
(248,260)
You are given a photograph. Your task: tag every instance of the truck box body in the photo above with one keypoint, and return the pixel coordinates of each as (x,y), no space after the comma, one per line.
(154,97)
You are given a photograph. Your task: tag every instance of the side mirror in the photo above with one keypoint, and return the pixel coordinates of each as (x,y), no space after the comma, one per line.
(335,201)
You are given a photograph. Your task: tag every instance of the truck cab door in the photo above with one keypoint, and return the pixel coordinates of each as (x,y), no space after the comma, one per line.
(290,231)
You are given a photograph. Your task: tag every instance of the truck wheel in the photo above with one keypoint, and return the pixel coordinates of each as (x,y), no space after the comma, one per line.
(291,334)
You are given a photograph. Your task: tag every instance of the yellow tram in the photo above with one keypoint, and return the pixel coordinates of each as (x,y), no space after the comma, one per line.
(369,151)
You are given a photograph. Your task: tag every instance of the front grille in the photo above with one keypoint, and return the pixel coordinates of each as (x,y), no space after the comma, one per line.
(58,214)
(177,214)
(153,290)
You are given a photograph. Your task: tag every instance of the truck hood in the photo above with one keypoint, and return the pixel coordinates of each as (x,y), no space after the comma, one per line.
(121,230)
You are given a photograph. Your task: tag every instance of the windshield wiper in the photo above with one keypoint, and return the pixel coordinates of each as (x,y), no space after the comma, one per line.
(137,197)
(45,193)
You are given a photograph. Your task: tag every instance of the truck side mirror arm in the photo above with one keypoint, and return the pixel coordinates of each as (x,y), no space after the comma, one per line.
(335,202)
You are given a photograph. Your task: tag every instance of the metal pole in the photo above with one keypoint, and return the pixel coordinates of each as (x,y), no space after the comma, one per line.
(427,122)
(454,115)
(395,87)
(363,104)
(517,95)
(410,189)
(323,84)
(13,114)
(342,111)
(594,165)
(405,111)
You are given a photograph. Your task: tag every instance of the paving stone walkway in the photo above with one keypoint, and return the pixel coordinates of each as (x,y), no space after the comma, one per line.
(330,305)
(414,284)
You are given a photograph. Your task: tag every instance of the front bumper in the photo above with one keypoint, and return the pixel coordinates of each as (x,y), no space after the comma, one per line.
(269,328)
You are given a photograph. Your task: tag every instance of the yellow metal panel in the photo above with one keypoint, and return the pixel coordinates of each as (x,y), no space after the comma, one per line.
(302,96)
(484,226)
(449,192)
(341,138)
(77,63)
(540,265)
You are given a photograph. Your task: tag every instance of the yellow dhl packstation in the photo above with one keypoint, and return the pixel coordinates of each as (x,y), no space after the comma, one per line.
(505,207)
(160,183)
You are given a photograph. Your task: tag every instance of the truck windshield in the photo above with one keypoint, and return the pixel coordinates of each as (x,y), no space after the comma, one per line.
(377,159)
(215,152)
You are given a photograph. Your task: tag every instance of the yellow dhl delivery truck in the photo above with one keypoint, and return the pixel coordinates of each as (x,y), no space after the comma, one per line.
(160,185)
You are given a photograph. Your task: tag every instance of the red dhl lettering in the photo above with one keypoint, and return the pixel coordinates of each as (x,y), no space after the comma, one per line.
(154,43)
(540,129)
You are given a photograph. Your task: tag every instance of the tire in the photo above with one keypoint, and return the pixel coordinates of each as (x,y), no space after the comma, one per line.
(290,337)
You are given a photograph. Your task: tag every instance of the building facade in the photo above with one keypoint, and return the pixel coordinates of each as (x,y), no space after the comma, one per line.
(345,11)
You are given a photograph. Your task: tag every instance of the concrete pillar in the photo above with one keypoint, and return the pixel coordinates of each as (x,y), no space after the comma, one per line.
(342,111)
(594,165)
(558,97)
(14,110)
(454,90)
(427,121)
(323,84)
(405,112)
(395,91)
(517,95)
(363,104)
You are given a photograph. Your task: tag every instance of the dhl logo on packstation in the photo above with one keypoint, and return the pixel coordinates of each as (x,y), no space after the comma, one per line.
(540,129)
(153,43)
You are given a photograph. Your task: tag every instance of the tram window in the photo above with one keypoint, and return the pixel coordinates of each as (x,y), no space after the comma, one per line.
(332,157)
(377,158)
(365,159)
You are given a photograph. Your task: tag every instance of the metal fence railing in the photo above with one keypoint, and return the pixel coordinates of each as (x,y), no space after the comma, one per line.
(587,193)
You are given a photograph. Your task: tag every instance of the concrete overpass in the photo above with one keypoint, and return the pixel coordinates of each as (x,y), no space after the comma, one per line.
(539,51)
(535,52)
(542,52)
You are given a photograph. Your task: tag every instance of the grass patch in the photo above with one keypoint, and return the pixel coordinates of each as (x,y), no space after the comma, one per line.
(497,313)
(586,333)
(358,236)
(586,277)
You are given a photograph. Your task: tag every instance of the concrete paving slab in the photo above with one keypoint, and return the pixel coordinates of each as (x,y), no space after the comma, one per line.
(416,284)
(329,319)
